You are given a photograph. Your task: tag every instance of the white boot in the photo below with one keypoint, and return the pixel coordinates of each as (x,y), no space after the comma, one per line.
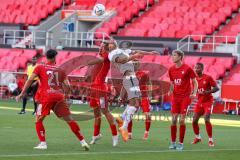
(41,145)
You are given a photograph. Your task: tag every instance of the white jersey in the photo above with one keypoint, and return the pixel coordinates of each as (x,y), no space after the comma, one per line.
(122,67)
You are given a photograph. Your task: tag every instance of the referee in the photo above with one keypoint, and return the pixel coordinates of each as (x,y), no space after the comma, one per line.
(32,89)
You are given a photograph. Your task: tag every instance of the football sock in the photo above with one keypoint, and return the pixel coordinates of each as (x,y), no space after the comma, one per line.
(147,124)
(130,111)
(113,129)
(209,129)
(40,131)
(75,129)
(173,133)
(130,127)
(182,133)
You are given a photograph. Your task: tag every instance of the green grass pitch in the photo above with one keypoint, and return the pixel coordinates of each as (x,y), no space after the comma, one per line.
(18,137)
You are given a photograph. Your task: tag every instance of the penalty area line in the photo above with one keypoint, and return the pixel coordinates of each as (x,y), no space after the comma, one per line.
(120,152)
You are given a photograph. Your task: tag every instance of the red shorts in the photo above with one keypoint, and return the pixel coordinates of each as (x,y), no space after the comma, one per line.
(56,103)
(180,105)
(145,104)
(98,96)
(203,108)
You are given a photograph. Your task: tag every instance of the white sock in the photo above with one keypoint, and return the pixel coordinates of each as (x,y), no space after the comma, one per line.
(43,143)
(82,142)
(198,136)
(124,113)
(130,111)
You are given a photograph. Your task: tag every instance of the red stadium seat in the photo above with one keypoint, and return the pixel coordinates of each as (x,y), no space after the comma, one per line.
(28,11)
(208,60)
(154,33)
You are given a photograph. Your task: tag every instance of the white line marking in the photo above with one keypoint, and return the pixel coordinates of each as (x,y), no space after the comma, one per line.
(123,152)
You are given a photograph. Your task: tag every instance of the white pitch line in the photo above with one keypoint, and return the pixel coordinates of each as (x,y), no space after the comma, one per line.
(121,152)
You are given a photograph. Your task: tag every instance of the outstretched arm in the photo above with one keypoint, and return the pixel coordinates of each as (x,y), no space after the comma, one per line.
(95,61)
(146,53)
(125,59)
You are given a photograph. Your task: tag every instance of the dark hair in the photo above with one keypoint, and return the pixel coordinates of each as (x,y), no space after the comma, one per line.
(105,45)
(201,65)
(179,53)
(51,53)
(125,44)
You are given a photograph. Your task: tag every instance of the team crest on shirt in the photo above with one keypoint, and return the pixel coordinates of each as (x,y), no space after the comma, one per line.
(182,72)
(204,82)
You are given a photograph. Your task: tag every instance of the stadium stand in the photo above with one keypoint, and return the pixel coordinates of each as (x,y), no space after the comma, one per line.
(126,11)
(28,12)
(14,59)
(157,28)
(231,29)
(216,66)
(179,18)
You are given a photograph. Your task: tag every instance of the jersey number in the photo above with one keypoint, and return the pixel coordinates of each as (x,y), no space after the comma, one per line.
(52,75)
(177,81)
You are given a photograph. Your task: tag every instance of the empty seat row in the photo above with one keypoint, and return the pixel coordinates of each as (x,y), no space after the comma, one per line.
(29,12)
(178,18)
(13,59)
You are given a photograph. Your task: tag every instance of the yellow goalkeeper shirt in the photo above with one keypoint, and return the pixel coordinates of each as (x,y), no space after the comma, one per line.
(30,70)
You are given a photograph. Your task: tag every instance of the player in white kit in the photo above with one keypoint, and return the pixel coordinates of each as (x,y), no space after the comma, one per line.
(122,59)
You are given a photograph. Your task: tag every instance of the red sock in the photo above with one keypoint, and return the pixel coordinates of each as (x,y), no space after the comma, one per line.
(182,133)
(76,130)
(113,129)
(40,131)
(147,124)
(173,132)
(130,127)
(96,130)
(209,129)
(97,126)
(195,128)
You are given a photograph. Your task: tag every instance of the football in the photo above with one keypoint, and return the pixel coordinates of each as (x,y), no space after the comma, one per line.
(99,9)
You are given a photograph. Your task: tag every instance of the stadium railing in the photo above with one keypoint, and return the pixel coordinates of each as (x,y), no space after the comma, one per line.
(209,43)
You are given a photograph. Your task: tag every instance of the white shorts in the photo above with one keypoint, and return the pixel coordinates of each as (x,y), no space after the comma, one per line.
(131,85)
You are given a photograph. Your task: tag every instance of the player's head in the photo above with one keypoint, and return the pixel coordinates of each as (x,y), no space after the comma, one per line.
(136,64)
(51,55)
(125,45)
(112,45)
(34,60)
(199,67)
(103,48)
(177,56)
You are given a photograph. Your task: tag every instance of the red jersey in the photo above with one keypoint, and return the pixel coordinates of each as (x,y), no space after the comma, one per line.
(103,70)
(181,79)
(143,78)
(205,83)
(51,79)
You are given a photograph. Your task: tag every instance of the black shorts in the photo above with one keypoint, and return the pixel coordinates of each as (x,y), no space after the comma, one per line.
(32,90)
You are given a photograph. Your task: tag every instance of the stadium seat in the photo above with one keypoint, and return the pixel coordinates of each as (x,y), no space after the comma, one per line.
(204,17)
(24,11)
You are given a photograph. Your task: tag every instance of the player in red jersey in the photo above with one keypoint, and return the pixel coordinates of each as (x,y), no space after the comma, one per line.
(206,86)
(98,95)
(144,82)
(53,84)
(180,76)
